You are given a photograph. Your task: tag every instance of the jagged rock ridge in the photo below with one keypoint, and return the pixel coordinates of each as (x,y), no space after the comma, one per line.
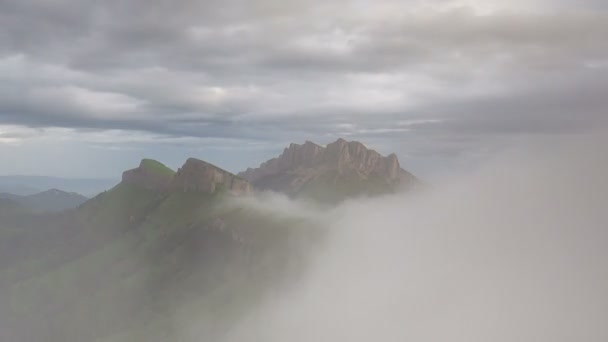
(200,176)
(194,176)
(300,166)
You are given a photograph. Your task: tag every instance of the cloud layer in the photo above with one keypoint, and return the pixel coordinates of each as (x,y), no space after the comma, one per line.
(447,77)
(512,251)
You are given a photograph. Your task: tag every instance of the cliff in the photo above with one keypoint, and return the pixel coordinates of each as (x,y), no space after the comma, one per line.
(150,174)
(348,165)
(199,176)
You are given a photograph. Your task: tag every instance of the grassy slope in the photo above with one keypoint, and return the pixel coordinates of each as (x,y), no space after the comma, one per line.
(156,167)
(108,229)
(154,255)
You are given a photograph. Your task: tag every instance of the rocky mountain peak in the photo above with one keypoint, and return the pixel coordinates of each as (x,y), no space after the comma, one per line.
(150,174)
(199,176)
(296,155)
(340,154)
(352,155)
(194,176)
(299,164)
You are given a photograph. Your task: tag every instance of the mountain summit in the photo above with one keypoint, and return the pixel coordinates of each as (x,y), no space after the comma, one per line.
(342,167)
(199,176)
(339,170)
(150,174)
(194,176)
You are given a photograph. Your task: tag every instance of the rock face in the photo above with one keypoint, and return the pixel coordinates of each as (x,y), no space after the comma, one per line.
(150,175)
(199,176)
(194,176)
(348,164)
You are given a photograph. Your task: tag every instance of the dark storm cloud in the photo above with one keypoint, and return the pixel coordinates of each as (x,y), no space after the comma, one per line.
(281,71)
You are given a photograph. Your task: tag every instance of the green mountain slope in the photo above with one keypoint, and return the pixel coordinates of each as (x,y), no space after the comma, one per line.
(129,262)
(156,167)
(164,251)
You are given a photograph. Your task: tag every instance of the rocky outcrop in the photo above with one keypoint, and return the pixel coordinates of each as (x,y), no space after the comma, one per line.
(307,155)
(300,165)
(150,175)
(199,176)
(194,176)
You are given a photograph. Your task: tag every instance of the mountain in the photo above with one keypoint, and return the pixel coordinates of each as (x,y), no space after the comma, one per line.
(121,266)
(194,176)
(170,255)
(198,175)
(30,185)
(150,174)
(47,201)
(341,169)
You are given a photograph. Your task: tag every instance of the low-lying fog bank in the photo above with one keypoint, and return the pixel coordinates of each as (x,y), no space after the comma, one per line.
(517,251)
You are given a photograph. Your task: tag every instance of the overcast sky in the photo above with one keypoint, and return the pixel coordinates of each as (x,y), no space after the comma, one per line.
(89,88)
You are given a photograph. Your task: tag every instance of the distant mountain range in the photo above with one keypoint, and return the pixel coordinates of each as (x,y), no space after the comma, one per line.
(340,170)
(47,201)
(30,185)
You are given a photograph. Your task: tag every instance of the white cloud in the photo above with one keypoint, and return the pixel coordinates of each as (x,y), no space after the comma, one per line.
(512,251)
(99,104)
(273,71)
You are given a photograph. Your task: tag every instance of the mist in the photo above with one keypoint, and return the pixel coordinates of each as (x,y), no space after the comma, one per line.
(514,251)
